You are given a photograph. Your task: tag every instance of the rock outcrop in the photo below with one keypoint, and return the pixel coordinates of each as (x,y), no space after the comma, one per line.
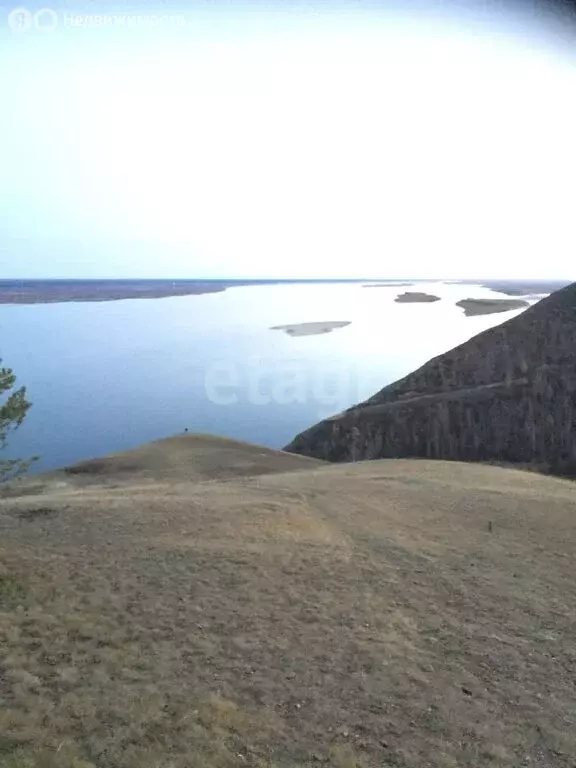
(508,394)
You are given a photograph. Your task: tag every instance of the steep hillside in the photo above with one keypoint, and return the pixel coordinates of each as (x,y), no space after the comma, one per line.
(508,394)
(402,613)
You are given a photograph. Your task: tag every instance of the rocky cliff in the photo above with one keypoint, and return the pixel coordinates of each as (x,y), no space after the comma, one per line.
(508,394)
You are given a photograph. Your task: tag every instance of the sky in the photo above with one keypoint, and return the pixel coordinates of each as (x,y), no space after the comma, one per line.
(319,139)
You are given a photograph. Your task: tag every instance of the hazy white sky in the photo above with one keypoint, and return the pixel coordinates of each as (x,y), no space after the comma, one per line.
(344,144)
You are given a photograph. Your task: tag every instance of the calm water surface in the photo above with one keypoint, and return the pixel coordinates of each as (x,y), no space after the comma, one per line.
(108,376)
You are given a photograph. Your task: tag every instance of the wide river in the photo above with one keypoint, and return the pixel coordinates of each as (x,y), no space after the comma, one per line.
(108,376)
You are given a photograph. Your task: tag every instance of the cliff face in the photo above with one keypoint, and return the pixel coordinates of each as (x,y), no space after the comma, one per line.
(508,394)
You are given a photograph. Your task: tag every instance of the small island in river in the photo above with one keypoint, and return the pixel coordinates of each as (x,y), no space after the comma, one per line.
(311,329)
(413,297)
(474,307)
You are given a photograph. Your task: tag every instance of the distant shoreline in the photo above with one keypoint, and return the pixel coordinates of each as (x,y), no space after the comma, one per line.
(39,291)
(23,292)
(57,291)
(387,285)
(520,287)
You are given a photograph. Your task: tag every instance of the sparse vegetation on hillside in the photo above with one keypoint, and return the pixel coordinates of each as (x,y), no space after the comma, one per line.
(13,411)
(293,614)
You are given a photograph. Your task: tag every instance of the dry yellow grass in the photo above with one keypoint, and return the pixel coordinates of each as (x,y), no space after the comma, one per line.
(402,613)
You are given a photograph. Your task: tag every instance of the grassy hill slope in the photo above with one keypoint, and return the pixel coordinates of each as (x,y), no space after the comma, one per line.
(398,612)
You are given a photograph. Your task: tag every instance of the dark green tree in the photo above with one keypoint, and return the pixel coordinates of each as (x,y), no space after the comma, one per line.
(13,408)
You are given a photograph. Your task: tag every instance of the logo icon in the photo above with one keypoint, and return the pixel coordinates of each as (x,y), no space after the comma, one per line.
(46,20)
(20,20)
